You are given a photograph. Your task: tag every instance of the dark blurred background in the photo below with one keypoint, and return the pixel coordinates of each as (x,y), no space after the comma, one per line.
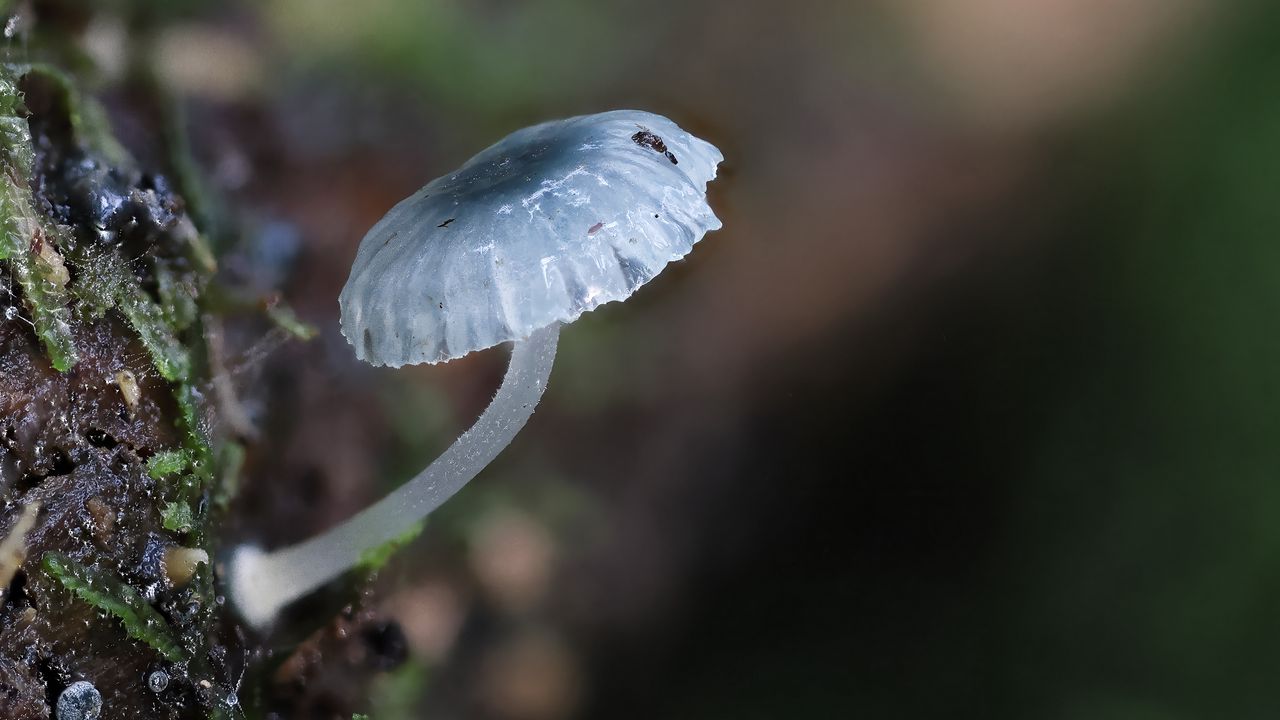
(970,410)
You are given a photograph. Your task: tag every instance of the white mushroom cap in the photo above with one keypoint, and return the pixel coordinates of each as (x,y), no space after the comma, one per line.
(552,221)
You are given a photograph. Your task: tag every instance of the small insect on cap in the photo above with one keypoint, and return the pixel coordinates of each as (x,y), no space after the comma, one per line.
(552,221)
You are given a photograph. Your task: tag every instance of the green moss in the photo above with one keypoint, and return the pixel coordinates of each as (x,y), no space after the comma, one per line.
(398,695)
(106,282)
(199,477)
(27,242)
(147,319)
(195,441)
(182,477)
(284,318)
(177,298)
(372,560)
(230,464)
(110,594)
(164,310)
(33,246)
(177,517)
(88,119)
(168,462)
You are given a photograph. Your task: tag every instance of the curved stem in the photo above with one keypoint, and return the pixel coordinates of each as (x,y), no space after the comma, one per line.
(263,583)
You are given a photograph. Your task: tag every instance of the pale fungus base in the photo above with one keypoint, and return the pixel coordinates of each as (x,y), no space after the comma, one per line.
(264,583)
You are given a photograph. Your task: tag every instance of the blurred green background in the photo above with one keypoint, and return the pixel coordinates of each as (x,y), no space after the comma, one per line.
(969,411)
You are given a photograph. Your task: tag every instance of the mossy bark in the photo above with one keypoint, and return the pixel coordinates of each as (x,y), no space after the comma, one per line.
(119,444)
(101,351)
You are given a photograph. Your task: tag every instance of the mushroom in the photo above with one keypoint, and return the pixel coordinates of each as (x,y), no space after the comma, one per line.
(549,223)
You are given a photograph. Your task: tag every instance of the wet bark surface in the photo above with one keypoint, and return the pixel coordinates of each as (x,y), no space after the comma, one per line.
(78,445)
(74,447)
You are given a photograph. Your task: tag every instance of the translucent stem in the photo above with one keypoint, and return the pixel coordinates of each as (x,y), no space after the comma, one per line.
(263,583)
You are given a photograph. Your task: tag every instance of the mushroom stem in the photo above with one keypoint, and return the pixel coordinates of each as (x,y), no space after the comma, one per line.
(262,583)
